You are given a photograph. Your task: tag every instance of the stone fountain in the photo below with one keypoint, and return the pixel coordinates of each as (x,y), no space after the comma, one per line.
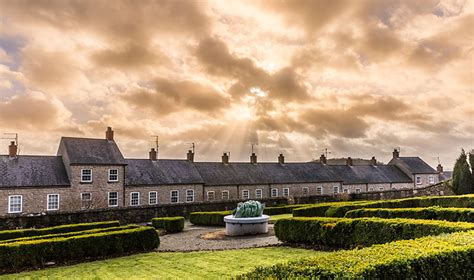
(246,219)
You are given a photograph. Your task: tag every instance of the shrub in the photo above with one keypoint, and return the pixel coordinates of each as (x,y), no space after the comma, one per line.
(169,224)
(60,250)
(11,234)
(209,218)
(430,213)
(342,232)
(448,256)
(285,209)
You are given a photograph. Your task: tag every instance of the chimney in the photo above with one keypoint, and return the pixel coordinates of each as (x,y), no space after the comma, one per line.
(396,153)
(12,149)
(253,158)
(281,159)
(225,158)
(323,159)
(349,161)
(439,168)
(109,134)
(373,161)
(153,154)
(190,156)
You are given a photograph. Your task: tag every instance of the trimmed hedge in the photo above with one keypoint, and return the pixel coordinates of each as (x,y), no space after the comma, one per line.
(68,234)
(285,209)
(346,233)
(430,213)
(12,234)
(339,210)
(60,250)
(449,256)
(169,224)
(209,218)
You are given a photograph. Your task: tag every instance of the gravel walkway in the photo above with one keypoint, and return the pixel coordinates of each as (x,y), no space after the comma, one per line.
(199,238)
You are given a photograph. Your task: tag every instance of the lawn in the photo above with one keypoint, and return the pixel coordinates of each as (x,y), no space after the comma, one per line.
(274,218)
(194,265)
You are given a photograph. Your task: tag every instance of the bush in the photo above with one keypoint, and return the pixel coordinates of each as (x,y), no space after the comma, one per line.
(209,218)
(169,224)
(68,234)
(342,232)
(448,256)
(430,213)
(285,209)
(60,250)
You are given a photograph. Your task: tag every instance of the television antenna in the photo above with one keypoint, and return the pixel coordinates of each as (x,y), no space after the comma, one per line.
(326,152)
(253,146)
(157,143)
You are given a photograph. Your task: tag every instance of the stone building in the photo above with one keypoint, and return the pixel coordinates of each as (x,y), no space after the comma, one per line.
(92,173)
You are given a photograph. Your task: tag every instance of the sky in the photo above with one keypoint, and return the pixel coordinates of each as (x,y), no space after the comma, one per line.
(294,77)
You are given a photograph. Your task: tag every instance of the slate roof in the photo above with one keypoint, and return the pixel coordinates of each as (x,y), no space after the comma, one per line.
(445,175)
(372,174)
(414,165)
(161,172)
(32,171)
(91,151)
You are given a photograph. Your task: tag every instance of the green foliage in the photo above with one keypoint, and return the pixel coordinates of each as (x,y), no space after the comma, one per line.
(36,253)
(462,177)
(209,218)
(440,257)
(286,209)
(248,209)
(471,163)
(12,234)
(430,213)
(342,232)
(169,224)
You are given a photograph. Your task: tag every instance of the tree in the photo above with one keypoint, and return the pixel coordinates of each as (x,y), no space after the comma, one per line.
(462,177)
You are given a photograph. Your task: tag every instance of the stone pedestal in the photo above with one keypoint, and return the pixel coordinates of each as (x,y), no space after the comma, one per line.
(243,226)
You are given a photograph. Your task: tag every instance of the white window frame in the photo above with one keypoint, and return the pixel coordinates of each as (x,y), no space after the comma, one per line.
(286,191)
(358,190)
(274,192)
(109,199)
(257,195)
(371,189)
(245,194)
(225,192)
(82,196)
(431,179)
(150,198)
(172,196)
(10,197)
(345,190)
(213,193)
(305,191)
(381,188)
(48,200)
(138,198)
(188,195)
(116,180)
(335,189)
(82,175)
(319,190)
(420,181)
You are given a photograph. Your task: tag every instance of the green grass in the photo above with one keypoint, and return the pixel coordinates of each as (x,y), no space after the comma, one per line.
(275,218)
(194,265)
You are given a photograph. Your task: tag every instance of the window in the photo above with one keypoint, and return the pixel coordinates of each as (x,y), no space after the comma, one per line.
(86,175)
(152,198)
(189,196)
(305,190)
(380,188)
(245,194)
(319,190)
(15,204)
(258,193)
(113,175)
(134,199)
(225,195)
(113,199)
(431,179)
(274,192)
(211,196)
(86,196)
(345,191)
(53,202)
(371,189)
(286,192)
(175,196)
(418,180)
(357,190)
(335,189)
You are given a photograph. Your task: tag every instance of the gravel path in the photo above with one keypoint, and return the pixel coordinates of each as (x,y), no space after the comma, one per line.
(198,238)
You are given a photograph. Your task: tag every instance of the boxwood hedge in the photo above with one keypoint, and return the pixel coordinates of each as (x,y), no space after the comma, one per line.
(346,233)
(430,213)
(284,209)
(447,256)
(209,218)
(169,224)
(36,253)
(11,234)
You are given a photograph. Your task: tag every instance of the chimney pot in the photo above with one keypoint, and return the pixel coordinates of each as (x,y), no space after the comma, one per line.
(253,158)
(225,158)
(190,156)
(12,149)
(373,161)
(281,159)
(153,154)
(109,134)
(349,161)
(439,168)
(396,153)
(323,159)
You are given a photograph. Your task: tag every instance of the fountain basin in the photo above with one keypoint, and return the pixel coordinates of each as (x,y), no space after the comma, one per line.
(244,226)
